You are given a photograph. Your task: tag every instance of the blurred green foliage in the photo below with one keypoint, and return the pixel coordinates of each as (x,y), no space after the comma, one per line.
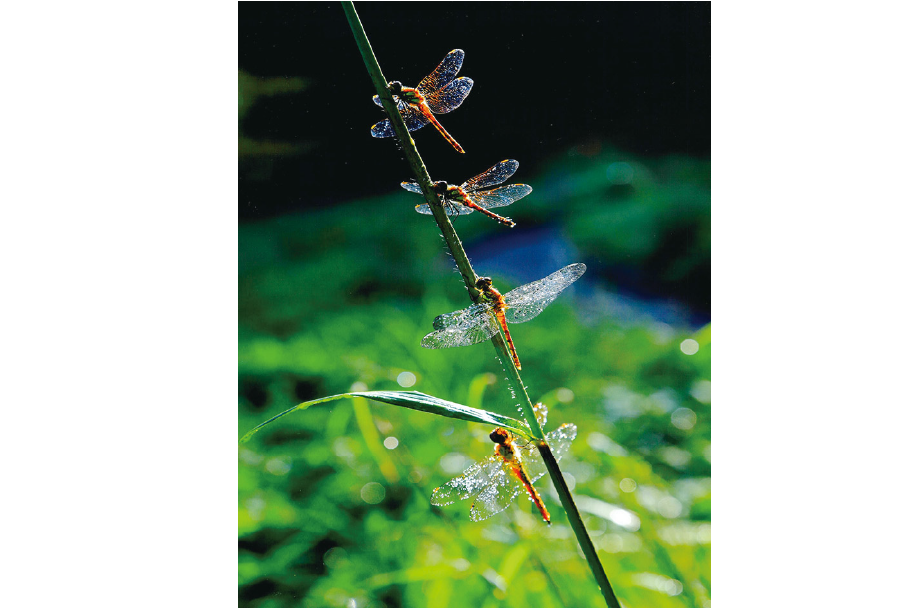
(338,300)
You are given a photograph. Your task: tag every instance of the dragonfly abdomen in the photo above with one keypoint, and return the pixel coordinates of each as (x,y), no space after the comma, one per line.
(433,120)
(463,198)
(519,472)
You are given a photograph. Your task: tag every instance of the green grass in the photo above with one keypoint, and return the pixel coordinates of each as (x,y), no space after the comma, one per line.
(338,300)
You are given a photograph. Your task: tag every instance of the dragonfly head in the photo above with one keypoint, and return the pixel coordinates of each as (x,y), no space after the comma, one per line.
(499,436)
(483,283)
(395,87)
(440,187)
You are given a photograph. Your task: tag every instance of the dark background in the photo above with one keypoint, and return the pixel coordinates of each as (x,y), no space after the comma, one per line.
(548,76)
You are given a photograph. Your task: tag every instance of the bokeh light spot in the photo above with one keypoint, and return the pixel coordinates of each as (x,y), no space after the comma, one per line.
(624,518)
(373,493)
(683,418)
(689,346)
(406,379)
(278,466)
(565,395)
(391,443)
(453,462)
(335,557)
(670,507)
(627,484)
(619,173)
(702,391)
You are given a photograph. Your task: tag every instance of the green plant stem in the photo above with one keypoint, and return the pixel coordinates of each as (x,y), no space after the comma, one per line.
(470,278)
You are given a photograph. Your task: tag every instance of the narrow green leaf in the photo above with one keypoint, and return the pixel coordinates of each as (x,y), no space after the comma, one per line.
(415,401)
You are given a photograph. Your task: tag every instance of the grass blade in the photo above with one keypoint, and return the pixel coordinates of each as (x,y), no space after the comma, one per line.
(416,401)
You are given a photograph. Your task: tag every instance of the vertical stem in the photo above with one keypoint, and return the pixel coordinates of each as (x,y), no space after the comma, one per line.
(575,520)
(411,151)
(470,278)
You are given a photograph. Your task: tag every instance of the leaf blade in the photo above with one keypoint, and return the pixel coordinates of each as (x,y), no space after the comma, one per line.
(412,400)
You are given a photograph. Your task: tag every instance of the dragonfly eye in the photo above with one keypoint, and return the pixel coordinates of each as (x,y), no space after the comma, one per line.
(395,87)
(499,436)
(484,282)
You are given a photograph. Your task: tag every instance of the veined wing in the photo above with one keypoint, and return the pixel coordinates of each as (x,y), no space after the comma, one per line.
(398,102)
(526,302)
(443,74)
(450,97)
(412,186)
(494,176)
(470,482)
(559,441)
(500,197)
(414,120)
(496,496)
(462,328)
(451,210)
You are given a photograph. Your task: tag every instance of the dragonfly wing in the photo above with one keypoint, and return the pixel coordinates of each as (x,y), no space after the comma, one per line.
(470,482)
(449,208)
(412,186)
(559,441)
(526,302)
(494,176)
(450,97)
(459,317)
(500,197)
(462,328)
(496,496)
(443,74)
(414,120)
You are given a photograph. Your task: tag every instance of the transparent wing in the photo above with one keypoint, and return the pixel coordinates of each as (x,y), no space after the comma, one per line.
(500,197)
(466,316)
(494,176)
(450,97)
(443,74)
(496,496)
(559,441)
(526,302)
(451,209)
(470,482)
(412,186)
(462,328)
(414,120)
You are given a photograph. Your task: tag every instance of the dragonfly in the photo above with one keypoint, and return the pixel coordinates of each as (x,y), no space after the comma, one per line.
(496,481)
(481,321)
(438,93)
(464,199)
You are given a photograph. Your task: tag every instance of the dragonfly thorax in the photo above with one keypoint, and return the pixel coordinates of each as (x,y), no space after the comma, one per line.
(407,94)
(505,446)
